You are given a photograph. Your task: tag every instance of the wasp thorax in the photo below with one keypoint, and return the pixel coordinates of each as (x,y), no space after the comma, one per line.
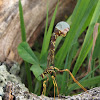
(42,75)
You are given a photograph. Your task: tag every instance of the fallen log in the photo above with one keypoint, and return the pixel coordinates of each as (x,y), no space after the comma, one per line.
(34,17)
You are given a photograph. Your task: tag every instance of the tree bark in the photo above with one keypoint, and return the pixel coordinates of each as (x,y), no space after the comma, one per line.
(34,16)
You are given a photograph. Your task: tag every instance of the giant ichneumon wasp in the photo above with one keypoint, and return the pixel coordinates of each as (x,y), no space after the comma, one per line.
(61,29)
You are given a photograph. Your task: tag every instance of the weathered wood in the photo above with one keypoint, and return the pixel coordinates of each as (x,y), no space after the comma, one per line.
(34,16)
(11,86)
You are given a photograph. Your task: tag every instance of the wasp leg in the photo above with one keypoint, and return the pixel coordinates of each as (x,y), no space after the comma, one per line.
(55,85)
(66,70)
(44,86)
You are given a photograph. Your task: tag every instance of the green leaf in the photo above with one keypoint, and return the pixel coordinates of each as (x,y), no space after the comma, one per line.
(88,41)
(23,32)
(43,61)
(37,70)
(26,53)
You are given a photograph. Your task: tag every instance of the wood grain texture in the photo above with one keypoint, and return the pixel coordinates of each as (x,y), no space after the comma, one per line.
(34,17)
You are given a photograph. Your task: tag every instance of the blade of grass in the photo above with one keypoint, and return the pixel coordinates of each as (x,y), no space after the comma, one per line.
(38,88)
(64,77)
(72,86)
(23,32)
(91,60)
(48,35)
(58,41)
(96,54)
(89,82)
(28,75)
(23,35)
(75,30)
(88,41)
(43,58)
(46,26)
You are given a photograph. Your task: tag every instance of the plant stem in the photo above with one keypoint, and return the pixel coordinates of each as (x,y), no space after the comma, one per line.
(29,79)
